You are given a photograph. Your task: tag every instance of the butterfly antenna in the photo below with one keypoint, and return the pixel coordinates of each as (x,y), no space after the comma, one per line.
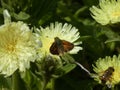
(80,65)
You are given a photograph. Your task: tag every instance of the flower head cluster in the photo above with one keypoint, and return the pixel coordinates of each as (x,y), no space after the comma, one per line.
(108,12)
(64,32)
(108,70)
(17,47)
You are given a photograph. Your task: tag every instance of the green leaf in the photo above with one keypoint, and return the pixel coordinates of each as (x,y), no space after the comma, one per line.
(5,82)
(65,69)
(21,16)
(112,40)
(31,80)
(83,38)
(6,5)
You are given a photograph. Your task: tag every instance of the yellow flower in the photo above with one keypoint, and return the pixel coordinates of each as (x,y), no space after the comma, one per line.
(64,32)
(108,12)
(108,70)
(17,47)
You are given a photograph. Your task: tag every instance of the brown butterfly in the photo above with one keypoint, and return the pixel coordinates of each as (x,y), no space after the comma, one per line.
(107,75)
(60,46)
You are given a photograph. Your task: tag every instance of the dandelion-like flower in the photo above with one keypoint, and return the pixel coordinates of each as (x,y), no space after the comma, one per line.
(108,12)
(17,47)
(108,70)
(64,32)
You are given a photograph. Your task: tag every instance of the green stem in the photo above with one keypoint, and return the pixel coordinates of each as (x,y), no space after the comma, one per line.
(14,81)
(112,88)
(50,85)
(17,83)
(104,88)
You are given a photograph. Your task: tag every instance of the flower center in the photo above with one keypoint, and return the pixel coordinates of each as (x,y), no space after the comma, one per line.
(10,47)
(46,43)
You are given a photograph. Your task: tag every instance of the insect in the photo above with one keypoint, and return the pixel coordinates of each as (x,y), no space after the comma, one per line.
(60,46)
(107,75)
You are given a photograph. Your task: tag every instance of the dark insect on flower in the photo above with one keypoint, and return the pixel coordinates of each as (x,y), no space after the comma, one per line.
(107,75)
(60,46)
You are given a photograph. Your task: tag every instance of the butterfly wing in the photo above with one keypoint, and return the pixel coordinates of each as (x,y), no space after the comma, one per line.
(54,49)
(67,45)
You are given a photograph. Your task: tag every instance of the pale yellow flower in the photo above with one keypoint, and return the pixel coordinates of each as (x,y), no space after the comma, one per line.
(17,47)
(62,31)
(107,12)
(102,67)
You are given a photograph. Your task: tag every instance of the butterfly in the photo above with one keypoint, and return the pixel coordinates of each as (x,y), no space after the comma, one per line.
(59,46)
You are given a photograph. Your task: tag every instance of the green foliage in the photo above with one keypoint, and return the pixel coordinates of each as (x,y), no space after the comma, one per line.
(34,12)
(97,41)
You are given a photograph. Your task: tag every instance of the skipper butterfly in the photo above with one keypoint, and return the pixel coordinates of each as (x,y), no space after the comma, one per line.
(60,46)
